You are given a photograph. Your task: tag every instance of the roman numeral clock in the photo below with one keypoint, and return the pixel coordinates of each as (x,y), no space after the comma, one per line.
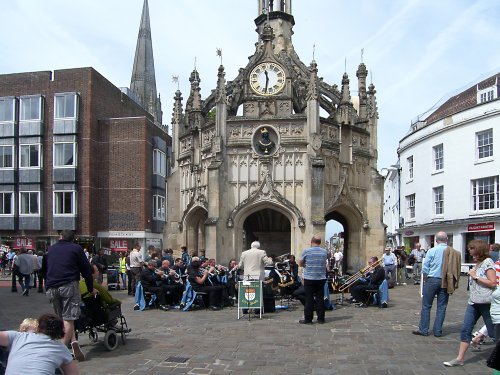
(267,78)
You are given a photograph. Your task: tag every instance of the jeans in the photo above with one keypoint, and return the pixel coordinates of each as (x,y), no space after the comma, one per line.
(314,288)
(432,288)
(27,281)
(417,269)
(390,269)
(472,314)
(124,280)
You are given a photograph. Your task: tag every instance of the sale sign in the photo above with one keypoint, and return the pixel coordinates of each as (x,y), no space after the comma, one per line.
(118,245)
(27,243)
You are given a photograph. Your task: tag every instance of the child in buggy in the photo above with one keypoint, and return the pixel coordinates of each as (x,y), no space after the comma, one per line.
(101,313)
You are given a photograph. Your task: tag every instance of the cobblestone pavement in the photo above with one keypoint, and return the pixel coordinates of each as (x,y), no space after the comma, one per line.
(353,341)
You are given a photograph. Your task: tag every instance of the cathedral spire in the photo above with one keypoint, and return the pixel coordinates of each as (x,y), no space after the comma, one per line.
(143,81)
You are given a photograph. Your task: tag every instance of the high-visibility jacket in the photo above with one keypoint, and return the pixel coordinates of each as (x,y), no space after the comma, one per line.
(123,266)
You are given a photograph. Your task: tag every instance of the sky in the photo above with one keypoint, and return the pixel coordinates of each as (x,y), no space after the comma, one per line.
(418,52)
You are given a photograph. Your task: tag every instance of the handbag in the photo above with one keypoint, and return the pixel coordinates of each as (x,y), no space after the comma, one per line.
(478,293)
(494,359)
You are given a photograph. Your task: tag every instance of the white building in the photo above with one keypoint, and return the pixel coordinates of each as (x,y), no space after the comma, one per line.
(392,210)
(450,166)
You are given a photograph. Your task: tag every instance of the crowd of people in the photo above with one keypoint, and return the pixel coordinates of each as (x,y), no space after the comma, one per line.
(67,272)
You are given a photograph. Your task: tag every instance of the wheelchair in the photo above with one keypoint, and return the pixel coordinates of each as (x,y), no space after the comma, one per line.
(94,318)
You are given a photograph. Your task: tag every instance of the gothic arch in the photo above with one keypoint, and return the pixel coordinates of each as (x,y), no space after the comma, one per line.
(242,215)
(194,228)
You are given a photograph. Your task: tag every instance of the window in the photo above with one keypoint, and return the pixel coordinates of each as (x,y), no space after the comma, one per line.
(64,154)
(159,162)
(487,96)
(410,167)
(6,203)
(484,144)
(158,207)
(29,156)
(31,108)
(65,105)
(438,200)
(7,109)
(485,193)
(438,157)
(6,156)
(64,203)
(29,202)
(410,206)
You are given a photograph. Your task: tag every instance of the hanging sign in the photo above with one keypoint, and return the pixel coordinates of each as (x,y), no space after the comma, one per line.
(118,245)
(25,242)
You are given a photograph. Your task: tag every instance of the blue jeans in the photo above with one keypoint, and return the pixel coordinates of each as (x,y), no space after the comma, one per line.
(432,288)
(27,281)
(472,314)
(124,280)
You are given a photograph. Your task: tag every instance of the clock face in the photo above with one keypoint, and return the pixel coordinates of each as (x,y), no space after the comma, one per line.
(267,78)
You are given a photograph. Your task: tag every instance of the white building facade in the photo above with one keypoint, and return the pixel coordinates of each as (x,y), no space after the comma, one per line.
(450,166)
(392,209)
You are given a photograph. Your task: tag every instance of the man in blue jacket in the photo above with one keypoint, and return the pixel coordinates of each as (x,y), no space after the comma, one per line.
(65,262)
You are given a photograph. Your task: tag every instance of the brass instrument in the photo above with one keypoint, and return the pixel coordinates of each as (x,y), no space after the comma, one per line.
(358,275)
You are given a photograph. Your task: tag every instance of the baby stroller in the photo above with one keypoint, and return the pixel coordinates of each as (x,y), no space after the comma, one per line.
(95,318)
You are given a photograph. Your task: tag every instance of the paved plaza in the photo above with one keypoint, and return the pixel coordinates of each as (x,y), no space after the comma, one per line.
(353,341)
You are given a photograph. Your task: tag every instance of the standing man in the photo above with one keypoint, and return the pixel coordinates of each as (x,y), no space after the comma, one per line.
(122,268)
(99,260)
(24,262)
(390,262)
(418,255)
(65,262)
(186,259)
(136,263)
(314,261)
(253,262)
(434,285)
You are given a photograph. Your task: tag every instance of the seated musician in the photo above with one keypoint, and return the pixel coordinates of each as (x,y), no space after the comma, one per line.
(172,282)
(149,279)
(180,268)
(198,278)
(372,281)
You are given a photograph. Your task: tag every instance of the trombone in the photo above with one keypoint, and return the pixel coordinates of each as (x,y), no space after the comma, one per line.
(358,275)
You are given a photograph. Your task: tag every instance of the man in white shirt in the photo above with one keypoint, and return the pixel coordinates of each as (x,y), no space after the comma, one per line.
(136,263)
(253,262)
(390,262)
(418,256)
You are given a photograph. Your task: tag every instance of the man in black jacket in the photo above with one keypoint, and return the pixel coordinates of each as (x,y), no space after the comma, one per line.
(373,281)
(150,278)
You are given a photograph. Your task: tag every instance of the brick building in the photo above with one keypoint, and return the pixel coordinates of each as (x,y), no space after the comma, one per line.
(78,153)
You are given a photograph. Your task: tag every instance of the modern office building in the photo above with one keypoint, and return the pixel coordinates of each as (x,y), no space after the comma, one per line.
(76,152)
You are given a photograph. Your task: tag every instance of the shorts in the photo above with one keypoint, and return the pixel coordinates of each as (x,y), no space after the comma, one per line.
(66,300)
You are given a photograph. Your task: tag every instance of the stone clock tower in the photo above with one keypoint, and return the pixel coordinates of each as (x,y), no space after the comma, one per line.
(274,154)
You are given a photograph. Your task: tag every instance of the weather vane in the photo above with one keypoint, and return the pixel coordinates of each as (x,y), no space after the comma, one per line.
(314,49)
(362,51)
(195,63)
(175,79)
(218,51)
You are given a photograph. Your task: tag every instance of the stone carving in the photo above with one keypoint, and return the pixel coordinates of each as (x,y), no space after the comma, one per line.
(234,132)
(266,192)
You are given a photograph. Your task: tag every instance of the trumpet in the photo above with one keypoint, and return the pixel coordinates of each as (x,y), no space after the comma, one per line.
(358,275)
